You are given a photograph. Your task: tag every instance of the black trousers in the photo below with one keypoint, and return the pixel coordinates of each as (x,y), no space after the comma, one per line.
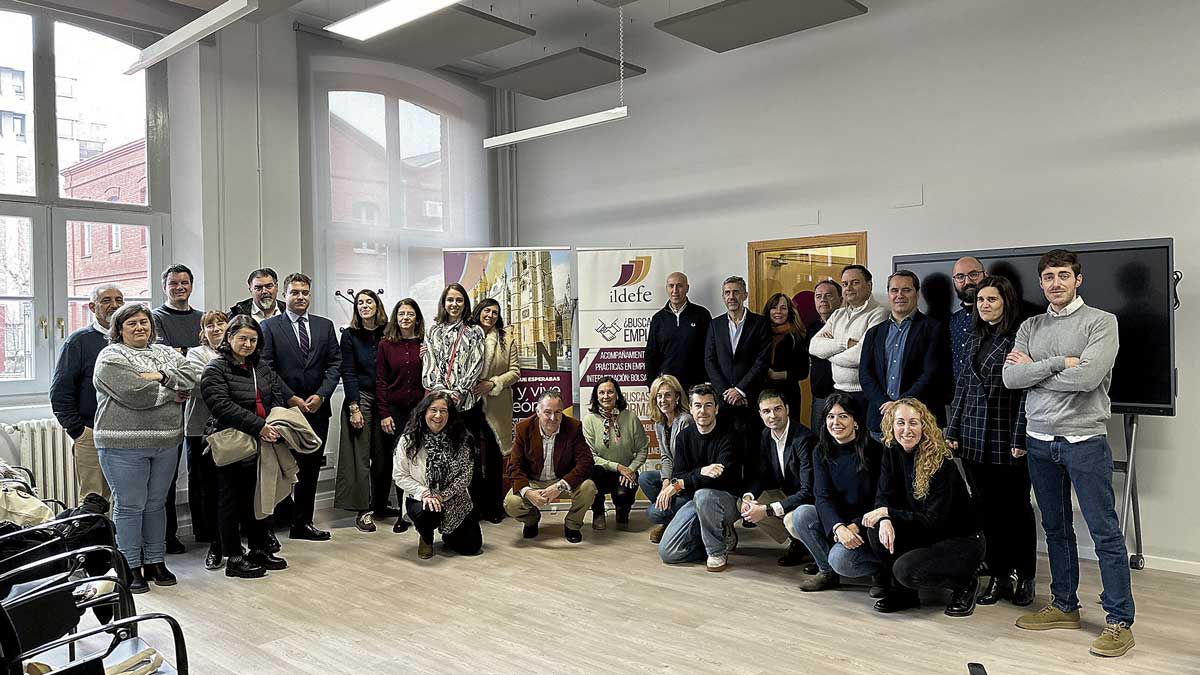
(743,423)
(235,509)
(920,563)
(608,483)
(466,540)
(304,494)
(487,477)
(172,516)
(202,490)
(1008,522)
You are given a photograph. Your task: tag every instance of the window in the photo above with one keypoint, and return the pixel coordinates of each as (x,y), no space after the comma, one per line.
(66,129)
(114,238)
(400,160)
(89,69)
(130,272)
(17,359)
(16,59)
(89,149)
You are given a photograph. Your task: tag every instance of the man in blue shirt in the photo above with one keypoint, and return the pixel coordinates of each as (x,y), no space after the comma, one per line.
(968,272)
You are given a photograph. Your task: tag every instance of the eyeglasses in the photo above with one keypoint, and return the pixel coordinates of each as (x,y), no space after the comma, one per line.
(975,275)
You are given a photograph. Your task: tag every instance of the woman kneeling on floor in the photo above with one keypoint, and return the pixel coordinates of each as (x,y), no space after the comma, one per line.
(433,465)
(924,529)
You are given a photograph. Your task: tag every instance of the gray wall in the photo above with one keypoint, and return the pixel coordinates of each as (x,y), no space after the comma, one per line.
(1016,123)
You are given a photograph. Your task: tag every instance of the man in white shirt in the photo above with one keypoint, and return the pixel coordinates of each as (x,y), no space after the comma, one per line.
(840,341)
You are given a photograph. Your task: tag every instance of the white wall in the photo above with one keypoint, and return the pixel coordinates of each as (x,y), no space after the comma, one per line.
(1023,122)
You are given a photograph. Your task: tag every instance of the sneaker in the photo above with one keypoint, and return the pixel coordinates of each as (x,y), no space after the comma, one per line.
(1047,618)
(717,563)
(821,581)
(424,549)
(731,539)
(656,533)
(365,522)
(1115,640)
(599,521)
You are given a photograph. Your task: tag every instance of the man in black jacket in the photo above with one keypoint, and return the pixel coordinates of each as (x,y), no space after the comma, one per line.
(907,355)
(72,394)
(677,337)
(303,349)
(739,344)
(261,304)
(706,478)
(782,476)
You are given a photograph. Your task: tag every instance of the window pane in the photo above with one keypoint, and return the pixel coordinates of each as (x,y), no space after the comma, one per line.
(16,346)
(101,117)
(358,172)
(16,257)
(422,167)
(16,298)
(16,103)
(99,253)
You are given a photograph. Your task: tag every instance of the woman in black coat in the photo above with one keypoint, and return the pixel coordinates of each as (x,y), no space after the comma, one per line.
(239,391)
(788,365)
(987,428)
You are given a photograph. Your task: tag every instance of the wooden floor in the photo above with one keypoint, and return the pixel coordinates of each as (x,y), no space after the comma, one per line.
(364,603)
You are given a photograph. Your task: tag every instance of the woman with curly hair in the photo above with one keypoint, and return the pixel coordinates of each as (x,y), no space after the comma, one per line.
(434,462)
(923,529)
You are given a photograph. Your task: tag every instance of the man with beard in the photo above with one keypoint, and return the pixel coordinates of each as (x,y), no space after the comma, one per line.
(261,304)
(968,272)
(72,394)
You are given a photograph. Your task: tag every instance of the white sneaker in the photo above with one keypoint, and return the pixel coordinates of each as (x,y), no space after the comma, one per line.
(717,563)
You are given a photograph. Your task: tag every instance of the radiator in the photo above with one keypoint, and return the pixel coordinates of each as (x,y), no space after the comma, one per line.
(46,451)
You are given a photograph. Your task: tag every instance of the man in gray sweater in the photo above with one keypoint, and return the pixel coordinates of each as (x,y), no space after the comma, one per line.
(1064,358)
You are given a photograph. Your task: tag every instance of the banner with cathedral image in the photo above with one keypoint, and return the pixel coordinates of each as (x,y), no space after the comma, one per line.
(533,287)
(619,292)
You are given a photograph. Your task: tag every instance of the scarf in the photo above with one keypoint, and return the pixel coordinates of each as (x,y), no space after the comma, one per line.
(779,332)
(442,464)
(612,432)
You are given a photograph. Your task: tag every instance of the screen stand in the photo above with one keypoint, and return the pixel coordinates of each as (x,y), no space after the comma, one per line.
(1130,497)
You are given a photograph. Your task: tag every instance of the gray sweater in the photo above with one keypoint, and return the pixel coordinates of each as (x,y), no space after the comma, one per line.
(177,328)
(1066,401)
(132,412)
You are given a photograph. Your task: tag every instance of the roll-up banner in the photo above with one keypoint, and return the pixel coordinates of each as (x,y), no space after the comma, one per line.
(620,289)
(533,287)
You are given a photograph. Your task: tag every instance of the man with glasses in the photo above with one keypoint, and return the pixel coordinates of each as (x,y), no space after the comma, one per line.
(968,272)
(261,304)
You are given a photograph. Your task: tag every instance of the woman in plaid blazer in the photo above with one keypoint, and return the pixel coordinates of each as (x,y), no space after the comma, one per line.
(987,428)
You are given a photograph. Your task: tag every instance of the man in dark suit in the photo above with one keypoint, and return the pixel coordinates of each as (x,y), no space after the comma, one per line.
(678,336)
(782,478)
(739,342)
(261,304)
(549,459)
(303,349)
(907,355)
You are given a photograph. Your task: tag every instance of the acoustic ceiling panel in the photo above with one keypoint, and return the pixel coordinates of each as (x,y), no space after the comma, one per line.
(563,73)
(444,37)
(730,24)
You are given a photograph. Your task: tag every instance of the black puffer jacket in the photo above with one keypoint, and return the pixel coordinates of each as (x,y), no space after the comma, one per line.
(228,390)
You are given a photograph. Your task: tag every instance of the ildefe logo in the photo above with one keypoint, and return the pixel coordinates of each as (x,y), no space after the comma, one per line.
(628,288)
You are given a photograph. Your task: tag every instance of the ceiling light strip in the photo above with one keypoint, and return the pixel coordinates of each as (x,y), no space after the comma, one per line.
(206,24)
(385,16)
(556,128)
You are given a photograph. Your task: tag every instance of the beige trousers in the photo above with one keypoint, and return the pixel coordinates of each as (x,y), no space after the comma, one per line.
(581,500)
(87,467)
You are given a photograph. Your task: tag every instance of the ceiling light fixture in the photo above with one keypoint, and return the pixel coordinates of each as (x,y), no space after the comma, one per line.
(206,24)
(612,115)
(381,18)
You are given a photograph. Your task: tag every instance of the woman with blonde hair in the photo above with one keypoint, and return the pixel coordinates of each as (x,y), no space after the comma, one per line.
(670,416)
(924,529)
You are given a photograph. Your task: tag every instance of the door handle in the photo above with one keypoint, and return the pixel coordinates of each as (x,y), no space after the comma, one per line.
(45,329)
(62,328)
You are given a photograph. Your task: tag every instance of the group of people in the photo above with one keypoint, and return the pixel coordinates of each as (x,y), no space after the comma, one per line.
(924,441)
(915,468)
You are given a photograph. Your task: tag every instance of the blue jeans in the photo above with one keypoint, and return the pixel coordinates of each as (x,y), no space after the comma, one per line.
(805,525)
(698,528)
(651,484)
(1054,467)
(140,479)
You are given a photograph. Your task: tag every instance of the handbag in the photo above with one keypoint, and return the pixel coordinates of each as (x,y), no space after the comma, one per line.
(23,508)
(230,446)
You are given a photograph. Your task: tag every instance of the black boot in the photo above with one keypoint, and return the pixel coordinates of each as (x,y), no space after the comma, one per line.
(962,601)
(239,566)
(997,589)
(898,599)
(137,581)
(268,561)
(273,544)
(159,574)
(1025,592)
(797,554)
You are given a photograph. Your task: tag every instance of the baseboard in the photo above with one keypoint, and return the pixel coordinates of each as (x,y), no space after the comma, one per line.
(1154,562)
